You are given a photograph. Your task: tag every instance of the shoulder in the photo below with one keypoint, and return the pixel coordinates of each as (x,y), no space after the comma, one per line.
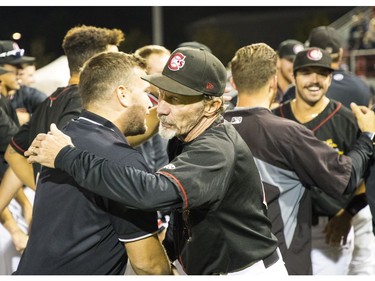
(350,80)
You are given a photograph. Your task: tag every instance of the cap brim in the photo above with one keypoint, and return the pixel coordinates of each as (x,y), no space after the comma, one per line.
(167,84)
(312,64)
(23,59)
(288,57)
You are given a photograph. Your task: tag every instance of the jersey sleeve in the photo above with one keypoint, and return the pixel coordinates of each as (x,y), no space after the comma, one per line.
(20,141)
(312,157)
(134,188)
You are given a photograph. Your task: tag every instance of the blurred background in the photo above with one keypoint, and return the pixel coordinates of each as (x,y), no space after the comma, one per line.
(224,29)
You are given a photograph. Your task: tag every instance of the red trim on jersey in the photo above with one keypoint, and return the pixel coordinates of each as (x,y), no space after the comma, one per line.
(181,187)
(281,111)
(339,105)
(21,149)
(51,98)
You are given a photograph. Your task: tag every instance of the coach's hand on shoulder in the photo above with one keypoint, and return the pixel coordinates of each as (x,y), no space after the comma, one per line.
(45,147)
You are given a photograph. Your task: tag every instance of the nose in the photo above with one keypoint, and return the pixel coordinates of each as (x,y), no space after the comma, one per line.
(163,108)
(314,77)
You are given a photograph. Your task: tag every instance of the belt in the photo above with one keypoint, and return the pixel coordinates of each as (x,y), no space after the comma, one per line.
(271,259)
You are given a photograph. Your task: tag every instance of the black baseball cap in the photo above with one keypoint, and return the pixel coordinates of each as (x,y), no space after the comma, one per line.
(289,48)
(191,72)
(194,44)
(10,53)
(326,38)
(312,57)
(3,71)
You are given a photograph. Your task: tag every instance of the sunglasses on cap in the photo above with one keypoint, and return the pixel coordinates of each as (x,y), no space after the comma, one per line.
(15,53)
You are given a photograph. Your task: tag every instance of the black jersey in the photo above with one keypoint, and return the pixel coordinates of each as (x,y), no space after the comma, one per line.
(289,156)
(75,231)
(59,108)
(336,126)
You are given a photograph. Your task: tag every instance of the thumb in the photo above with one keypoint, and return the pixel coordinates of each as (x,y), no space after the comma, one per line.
(355,108)
(54,130)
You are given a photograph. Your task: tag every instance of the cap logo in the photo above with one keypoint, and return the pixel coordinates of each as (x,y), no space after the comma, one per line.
(209,86)
(176,62)
(314,54)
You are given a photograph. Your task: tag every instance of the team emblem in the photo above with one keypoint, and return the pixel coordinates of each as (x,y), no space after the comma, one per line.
(314,54)
(176,62)
(169,167)
(236,120)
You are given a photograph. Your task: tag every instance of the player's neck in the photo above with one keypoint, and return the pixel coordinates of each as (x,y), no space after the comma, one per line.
(253,99)
(74,79)
(305,112)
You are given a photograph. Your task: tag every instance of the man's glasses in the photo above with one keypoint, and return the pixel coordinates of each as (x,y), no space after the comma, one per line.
(15,53)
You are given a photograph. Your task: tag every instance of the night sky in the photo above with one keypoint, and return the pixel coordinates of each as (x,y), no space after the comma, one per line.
(43,28)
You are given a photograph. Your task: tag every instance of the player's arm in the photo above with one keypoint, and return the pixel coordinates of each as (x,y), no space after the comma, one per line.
(147,256)
(21,168)
(152,123)
(19,238)
(10,184)
(130,186)
(24,202)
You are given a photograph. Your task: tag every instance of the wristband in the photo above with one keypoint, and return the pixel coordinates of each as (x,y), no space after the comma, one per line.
(356,204)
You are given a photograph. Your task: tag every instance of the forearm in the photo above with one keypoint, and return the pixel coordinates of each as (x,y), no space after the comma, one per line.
(20,166)
(148,257)
(360,154)
(8,221)
(9,187)
(19,238)
(132,187)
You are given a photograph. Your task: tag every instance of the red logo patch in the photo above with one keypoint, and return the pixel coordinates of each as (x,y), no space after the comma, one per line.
(209,86)
(176,62)
(314,54)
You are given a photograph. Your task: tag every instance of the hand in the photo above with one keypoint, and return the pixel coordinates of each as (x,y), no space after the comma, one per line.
(45,147)
(20,239)
(365,117)
(337,229)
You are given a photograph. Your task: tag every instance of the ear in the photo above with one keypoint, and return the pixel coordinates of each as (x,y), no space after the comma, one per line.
(273,84)
(122,95)
(213,106)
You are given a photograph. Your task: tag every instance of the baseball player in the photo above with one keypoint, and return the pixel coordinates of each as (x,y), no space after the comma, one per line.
(334,124)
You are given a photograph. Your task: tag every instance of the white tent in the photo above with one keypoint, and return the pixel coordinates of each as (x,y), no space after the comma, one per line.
(51,76)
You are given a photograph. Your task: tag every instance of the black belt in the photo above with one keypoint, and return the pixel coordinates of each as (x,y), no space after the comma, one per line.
(271,259)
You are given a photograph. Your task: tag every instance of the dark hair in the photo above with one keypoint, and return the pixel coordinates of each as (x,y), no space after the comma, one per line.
(82,42)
